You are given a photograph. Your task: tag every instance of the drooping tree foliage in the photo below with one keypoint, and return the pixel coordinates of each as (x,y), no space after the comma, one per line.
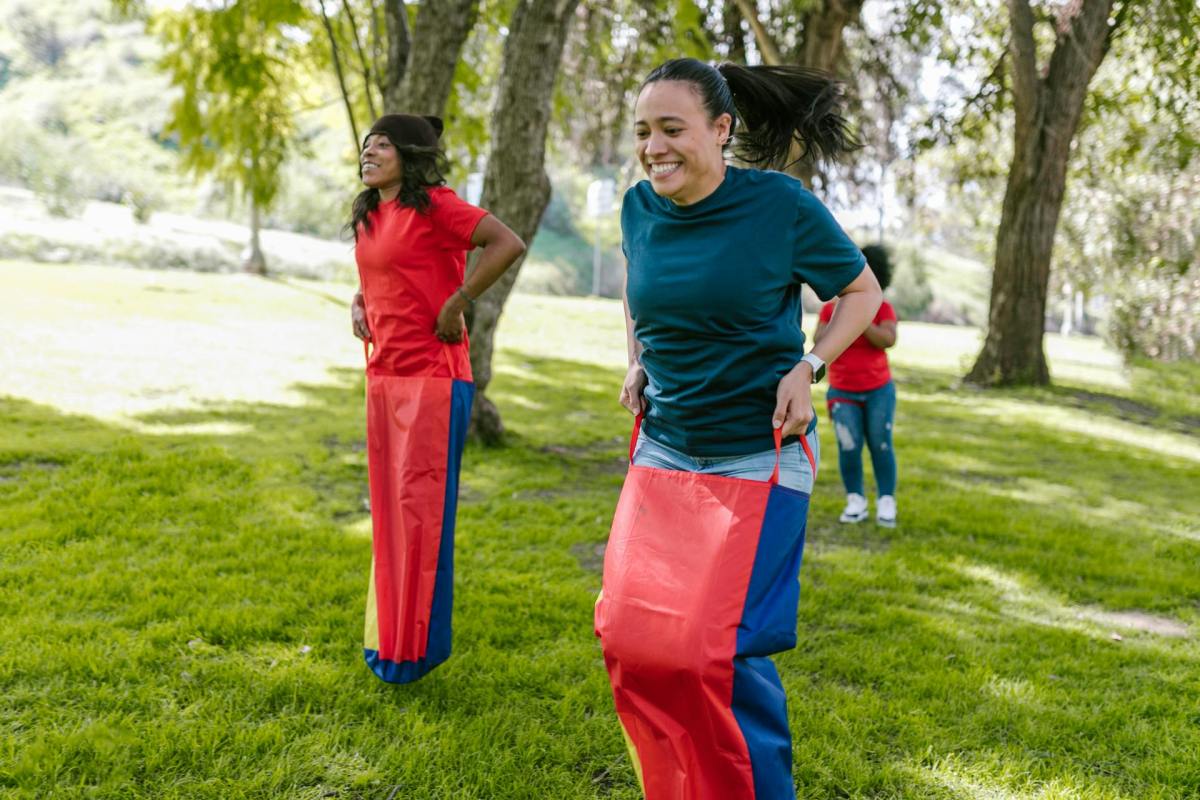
(236,69)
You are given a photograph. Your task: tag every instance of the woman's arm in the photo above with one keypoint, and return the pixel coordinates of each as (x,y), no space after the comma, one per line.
(635,376)
(856,307)
(882,335)
(358,316)
(854,311)
(500,250)
(820,331)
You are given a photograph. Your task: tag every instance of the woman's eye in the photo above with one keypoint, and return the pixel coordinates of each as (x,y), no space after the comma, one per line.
(671,131)
(641,134)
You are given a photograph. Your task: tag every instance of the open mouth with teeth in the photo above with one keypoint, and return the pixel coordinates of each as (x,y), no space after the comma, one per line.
(663,169)
(369,165)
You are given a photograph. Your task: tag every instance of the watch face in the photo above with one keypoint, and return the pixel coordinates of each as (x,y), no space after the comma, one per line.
(819,374)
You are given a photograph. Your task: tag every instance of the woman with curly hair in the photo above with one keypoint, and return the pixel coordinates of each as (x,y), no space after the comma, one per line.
(411,235)
(862,403)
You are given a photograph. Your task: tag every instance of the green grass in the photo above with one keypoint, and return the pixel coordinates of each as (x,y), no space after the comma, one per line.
(184,552)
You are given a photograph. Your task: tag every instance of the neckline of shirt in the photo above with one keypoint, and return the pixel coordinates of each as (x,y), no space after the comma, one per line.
(705,203)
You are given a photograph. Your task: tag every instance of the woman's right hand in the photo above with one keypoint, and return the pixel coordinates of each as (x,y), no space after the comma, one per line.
(358,317)
(631,392)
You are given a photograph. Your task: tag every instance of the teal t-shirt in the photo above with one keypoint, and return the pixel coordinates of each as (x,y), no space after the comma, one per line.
(714,293)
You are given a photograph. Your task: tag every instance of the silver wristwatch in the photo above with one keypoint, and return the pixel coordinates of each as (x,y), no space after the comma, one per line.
(817,364)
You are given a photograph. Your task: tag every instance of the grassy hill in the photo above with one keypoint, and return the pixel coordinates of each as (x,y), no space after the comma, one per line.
(184,548)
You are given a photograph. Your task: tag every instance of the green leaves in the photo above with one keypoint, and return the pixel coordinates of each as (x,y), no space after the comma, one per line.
(235,69)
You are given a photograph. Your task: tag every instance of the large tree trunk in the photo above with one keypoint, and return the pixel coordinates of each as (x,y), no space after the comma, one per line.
(422,83)
(516,188)
(1047,112)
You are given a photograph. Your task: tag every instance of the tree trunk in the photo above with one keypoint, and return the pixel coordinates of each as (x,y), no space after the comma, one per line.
(253,259)
(438,37)
(731,23)
(1047,111)
(399,47)
(823,33)
(516,188)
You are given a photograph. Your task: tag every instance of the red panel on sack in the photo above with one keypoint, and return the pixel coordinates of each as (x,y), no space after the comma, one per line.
(408,434)
(670,609)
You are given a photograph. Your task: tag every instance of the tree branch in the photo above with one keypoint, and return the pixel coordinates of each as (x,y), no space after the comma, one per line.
(1078,52)
(362,57)
(377,49)
(1024,61)
(762,37)
(337,68)
(439,33)
(1118,24)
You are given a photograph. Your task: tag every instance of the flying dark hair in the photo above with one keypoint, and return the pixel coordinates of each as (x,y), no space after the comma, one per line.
(880,263)
(421,168)
(777,106)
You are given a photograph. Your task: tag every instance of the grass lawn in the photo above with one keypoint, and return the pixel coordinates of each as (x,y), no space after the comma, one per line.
(184,550)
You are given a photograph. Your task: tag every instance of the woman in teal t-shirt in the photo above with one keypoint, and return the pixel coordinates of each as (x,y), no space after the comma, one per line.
(716,258)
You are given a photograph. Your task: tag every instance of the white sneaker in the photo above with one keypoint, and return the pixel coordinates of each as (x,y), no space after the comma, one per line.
(885,511)
(856,508)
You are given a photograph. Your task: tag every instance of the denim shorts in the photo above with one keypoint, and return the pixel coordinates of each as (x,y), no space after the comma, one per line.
(794,470)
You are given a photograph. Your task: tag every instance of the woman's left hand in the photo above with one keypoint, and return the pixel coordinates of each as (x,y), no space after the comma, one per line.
(450,320)
(793,401)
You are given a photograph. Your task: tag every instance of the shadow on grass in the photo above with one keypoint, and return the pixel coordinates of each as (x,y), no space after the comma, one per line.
(185,610)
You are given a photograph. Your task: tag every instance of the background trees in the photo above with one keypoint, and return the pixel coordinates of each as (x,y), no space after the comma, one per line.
(1032,163)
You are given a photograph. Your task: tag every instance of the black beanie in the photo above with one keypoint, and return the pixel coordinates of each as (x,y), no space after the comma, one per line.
(408,130)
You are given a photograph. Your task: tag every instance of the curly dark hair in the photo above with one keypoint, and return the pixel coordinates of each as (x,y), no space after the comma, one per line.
(880,263)
(421,168)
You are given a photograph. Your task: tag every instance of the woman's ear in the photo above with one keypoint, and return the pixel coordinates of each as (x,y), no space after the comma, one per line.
(436,122)
(723,125)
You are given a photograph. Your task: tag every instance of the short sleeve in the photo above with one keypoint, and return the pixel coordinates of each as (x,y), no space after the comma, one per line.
(827,312)
(886,313)
(823,255)
(454,218)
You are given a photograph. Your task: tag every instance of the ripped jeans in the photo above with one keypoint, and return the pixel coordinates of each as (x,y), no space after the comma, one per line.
(859,417)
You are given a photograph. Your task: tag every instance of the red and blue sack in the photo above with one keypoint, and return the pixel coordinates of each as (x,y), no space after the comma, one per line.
(701,586)
(416,431)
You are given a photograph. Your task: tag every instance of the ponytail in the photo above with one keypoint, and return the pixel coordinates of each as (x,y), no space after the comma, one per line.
(777,105)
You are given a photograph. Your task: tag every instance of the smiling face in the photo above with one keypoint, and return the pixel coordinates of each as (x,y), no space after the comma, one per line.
(678,145)
(380,165)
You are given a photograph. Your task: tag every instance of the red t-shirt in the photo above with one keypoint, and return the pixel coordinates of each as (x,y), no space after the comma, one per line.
(409,264)
(863,366)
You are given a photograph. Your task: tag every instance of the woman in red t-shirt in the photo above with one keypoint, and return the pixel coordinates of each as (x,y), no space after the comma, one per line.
(862,403)
(411,237)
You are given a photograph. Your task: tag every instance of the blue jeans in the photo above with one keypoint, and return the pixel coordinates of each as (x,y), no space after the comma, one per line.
(794,470)
(859,416)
